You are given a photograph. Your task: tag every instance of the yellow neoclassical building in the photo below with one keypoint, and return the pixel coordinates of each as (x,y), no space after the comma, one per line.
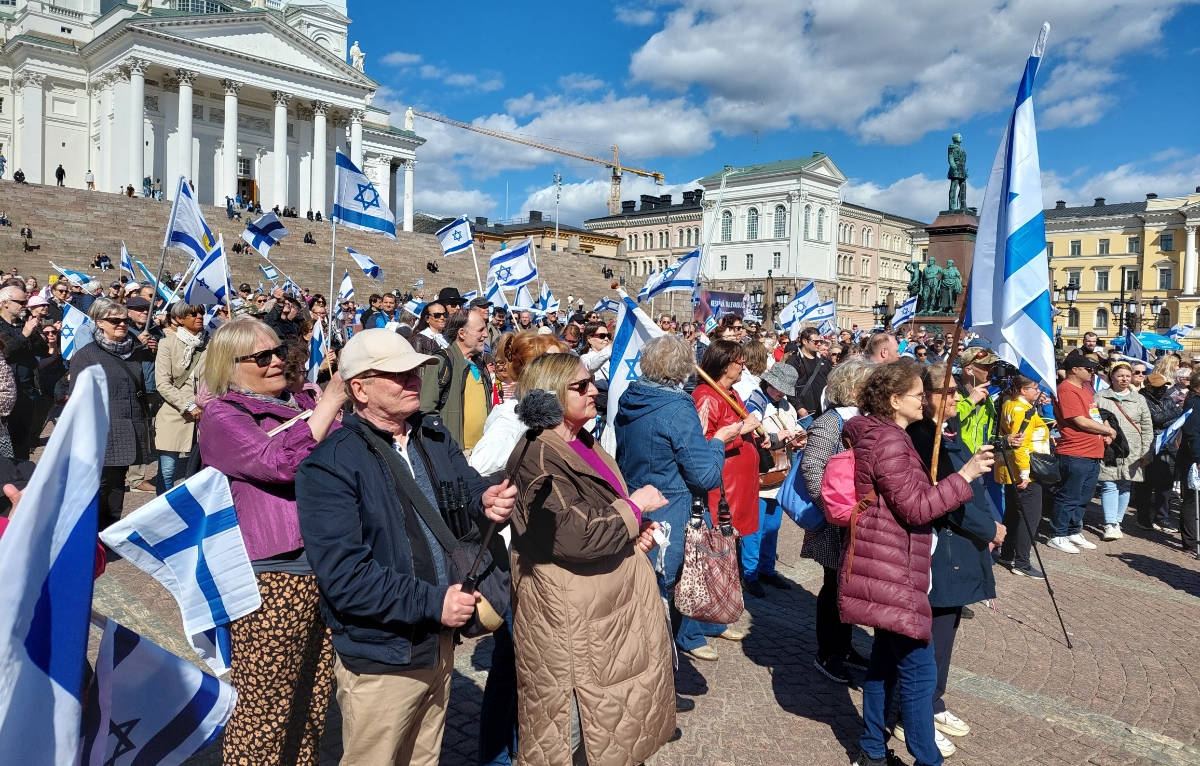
(1143,252)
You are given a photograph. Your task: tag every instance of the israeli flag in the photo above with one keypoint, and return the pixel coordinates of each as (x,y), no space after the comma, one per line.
(356,201)
(513,267)
(546,301)
(468,297)
(76,277)
(211,320)
(414,307)
(821,312)
(1179,331)
(265,233)
(47,555)
(210,283)
(681,276)
(826,327)
(524,299)
(606,304)
(905,312)
(126,261)
(455,235)
(369,267)
(1009,299)
(163,292)
(757,403)
(316,352)
(77,331)
(710,324)
(494,294)
(1170,433)
(632,329)
(145,705)
(186,229)
(189,540)
(794,312)
(269,272)
(1134,350)
(419,282)
(346,291)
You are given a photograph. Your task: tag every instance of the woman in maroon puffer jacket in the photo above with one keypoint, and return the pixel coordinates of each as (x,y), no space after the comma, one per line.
(884,578)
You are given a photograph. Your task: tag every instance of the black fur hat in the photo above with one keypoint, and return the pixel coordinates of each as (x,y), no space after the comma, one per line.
(540,409)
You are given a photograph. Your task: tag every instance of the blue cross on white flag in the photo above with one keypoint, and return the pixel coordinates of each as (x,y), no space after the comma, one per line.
(187,230)
(145,705)
(514,266)
(346,291)
(546,301)
(47,556)
(1170,433)
(189,540)
(905,312)
(606,304)
(414,307)
(126,261)
(681,276)
(793,313)
(1009,300)
(369,267)
(316,352)
(210,283)
(631,331)
(265,233)
(356,201)
(76,331)
(269,272)
(455,235)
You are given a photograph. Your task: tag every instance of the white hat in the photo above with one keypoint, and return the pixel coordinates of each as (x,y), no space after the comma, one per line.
(131,285)
(379,349)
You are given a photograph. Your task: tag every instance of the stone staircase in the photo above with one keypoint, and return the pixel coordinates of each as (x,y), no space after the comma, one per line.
(71,225)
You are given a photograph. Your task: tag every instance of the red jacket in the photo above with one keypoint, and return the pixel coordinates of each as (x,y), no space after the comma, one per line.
(740,473)
(884,577)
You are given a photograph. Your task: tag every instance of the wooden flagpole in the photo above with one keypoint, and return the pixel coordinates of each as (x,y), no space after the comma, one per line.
(937,434)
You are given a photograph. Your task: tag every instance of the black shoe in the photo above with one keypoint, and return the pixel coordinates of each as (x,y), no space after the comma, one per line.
(683,704)
(1028,570)
(889,759)
(856,660)
(754,588)
(678,735)
(833,669)
(775,581)
(967,613)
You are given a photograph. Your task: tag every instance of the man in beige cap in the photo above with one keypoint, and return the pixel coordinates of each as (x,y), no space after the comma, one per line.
(378,544)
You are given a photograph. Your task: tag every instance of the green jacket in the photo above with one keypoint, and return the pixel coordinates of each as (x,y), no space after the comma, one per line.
(977,422)
(443,385)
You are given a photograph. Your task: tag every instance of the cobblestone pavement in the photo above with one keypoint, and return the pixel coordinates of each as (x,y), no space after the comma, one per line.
(1125,694)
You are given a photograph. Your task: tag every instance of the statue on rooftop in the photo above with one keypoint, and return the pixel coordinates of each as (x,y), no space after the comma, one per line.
(357,57)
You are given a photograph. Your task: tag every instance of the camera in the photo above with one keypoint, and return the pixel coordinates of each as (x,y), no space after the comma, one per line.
(1002,375)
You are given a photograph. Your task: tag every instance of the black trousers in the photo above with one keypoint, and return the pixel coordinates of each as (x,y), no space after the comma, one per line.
(1187,520)
(1022,514)
(20,425)
(945,628)
(833,635)
(112,493)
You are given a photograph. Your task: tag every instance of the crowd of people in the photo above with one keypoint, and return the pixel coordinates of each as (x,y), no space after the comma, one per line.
(355,482)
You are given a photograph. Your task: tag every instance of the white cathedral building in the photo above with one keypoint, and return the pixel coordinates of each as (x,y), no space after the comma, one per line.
(238,97)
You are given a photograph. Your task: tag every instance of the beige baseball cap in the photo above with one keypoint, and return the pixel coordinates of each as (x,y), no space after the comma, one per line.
(379,349)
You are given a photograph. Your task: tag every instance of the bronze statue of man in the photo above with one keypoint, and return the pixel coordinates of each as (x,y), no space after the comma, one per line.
(931,279)
(951,287)
(956,156)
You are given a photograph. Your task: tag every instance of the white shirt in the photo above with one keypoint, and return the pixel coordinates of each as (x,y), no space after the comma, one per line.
(435,336)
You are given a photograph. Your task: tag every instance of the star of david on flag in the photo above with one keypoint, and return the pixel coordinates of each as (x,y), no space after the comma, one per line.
(356,200)
(513,267)
(630,333)
(455,235)
(76,331)
(679,277)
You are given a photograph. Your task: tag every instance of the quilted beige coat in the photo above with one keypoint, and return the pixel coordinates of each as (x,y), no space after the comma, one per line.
(587,616)
(176,383)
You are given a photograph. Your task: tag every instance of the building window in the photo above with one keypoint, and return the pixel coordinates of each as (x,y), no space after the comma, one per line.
(1166,242)
(864,299)
(689,236)
(1102,247)
(726,226)
(866,238)
(1076,247)
(724,262)
(749,261)
(1166,278)
(866,267)
(776,260)
(632,242)
(807,218)
(780,221)
(679,234)
(821,225)
(752,223)
(1101,321)
(1102,281)
(886,241)
(1049,249)
(1135,244)
(1074,276)
(244,168)
(1131,279)
(1073,318)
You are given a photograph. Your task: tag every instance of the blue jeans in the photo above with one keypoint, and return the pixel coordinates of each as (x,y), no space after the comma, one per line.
(758,549)
(166,469)
(689,634)
(1079,475)
(905,665)
(1114,499)
(498,712)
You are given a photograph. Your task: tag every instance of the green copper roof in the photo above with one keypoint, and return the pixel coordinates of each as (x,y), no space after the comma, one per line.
(783,166)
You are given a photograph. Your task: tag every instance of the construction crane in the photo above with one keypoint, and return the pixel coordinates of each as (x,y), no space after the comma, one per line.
(614,194)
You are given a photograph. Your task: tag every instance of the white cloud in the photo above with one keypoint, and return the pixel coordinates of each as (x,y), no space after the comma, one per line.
(889,72)
(483,82)
(635,16)
(400,58)
(451,202)
(578,81)
(917,196)
(589,198)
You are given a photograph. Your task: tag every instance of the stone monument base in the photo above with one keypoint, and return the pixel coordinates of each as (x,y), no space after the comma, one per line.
(952,237)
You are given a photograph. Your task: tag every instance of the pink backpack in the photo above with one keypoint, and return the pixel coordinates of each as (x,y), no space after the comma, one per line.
(837,490)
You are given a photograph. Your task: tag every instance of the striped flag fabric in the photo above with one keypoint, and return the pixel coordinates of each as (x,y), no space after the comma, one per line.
(47,556)
(905,312)
(1170,432)
(126,261)
(210,283)
(265,233)
(369,267)
(186,229)
(414,307)
(316,352)
(710,324)
(269,272)
(514,266)
(757,402)
(356,201)
(346,291)
(630,333)
(680,276)
(76,331)
(455,235)
(794,312)
(1009,298)
(821,312)
(1179,331)
(76,277)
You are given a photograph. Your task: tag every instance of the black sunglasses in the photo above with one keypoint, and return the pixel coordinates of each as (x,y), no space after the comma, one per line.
(606,336)
(263,358)
(581,386)
(116,321)
(436,314)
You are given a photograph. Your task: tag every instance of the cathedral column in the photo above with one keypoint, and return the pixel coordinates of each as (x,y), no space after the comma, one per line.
(104,178)
(31,155)
(1189,262)
(356,149)
(409,165)
(137,109)
(279,162)
(183,120)
(319,180)
(229,139)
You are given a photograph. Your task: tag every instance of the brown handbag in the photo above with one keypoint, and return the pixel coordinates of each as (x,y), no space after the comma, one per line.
(710,586)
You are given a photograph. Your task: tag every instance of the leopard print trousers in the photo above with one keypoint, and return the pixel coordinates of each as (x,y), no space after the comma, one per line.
(282,670)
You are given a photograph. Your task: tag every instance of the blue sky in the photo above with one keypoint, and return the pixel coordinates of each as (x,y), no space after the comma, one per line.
(687,87)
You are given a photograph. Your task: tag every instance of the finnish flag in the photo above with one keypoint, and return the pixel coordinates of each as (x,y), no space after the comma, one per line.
(905,312)
(346,291)
(189,540)
(76,331)
(414,307)
(47,556)
(606,304)
(455,235)
(513,267)
(316,352)
(145,705)
(546,302)
(369,267)
(126,261)
(681,276)
(265,233)
(356,201)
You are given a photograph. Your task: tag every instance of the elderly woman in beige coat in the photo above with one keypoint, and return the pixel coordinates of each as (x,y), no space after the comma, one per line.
(593,650)
(177,368)
(1133,418)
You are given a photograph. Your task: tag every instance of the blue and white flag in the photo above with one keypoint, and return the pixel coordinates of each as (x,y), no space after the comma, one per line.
(419,283)
(455,235)
(189,540)
(356,201)
(905,312)
(1179,331)
(524,300)
(369,267)
(211,320)
(414,307)
(75,277)
(821,312)
(1009,298)
(77,331)
(265,233)
(1134,350)
(757,403)
(469,296)
(710,324)
(1170,433)
(126,261)
(47,557)
(607,304)
(514,266)
(631,331)
(794,312)
(826,327)
(289,288)
(494,294)
(186,229)
(546,301)
(346,291)
(145,705)
(163,292)
(210,283)
(269,272)
(1099,383)
(681,276)
(316,352)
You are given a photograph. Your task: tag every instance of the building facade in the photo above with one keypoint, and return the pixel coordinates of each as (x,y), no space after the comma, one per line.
(1148,247)
(235,96)
(653,235)
(873,249)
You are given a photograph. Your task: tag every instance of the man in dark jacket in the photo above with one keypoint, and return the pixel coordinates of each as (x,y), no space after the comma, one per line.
(373,533)
(284,315)
(458,387)
(1153,510)
(22,344)
(812,370)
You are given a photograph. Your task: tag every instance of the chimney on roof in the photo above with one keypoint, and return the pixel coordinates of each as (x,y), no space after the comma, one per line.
(628,205)
(688,197)
(1060,205)
(664,200)
(1151,195)
(1198,189)
(699,194)
(649,202)
(535,215)
(481,222)
(1099,202)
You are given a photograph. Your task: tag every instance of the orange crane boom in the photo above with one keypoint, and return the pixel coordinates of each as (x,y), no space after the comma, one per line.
(614,197)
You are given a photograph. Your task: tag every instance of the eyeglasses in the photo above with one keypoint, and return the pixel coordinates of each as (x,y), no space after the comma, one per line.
(603,336)
(263,358)
(395,377)
(115,321)
(581,386)
(739,362)
(49,332)
(260,300)
(437,314)
(738,327)
(19,303)
(1139,372)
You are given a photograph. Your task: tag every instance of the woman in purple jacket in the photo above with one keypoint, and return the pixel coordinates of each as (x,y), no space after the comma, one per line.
(282,663)
(884,577)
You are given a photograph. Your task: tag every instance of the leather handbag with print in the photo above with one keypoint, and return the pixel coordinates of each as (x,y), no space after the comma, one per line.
(1043,468)
(710,586)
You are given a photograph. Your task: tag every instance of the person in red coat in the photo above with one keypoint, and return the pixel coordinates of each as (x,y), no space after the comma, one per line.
(884,576)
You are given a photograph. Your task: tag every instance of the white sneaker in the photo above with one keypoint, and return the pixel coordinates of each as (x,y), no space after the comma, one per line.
(1082,541)
(951,724)
(944,745)
(1112,532)
(1063,544)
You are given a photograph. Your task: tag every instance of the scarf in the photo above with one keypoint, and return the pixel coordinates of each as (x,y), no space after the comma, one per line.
(284,399)
(121,348)
(191,344)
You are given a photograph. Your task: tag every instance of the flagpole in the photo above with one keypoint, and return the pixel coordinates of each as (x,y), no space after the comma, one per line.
(162,260)
(937,432)
(478,280)
(329,301)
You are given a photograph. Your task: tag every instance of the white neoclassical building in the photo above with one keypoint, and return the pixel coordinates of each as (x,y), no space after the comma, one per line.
(238,97)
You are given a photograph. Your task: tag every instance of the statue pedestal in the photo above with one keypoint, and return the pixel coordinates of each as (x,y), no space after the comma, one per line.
(951,237)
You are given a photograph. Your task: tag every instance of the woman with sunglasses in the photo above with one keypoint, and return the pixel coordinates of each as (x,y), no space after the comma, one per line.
(427,335)
(121,355)
(597,339)
(282,655)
